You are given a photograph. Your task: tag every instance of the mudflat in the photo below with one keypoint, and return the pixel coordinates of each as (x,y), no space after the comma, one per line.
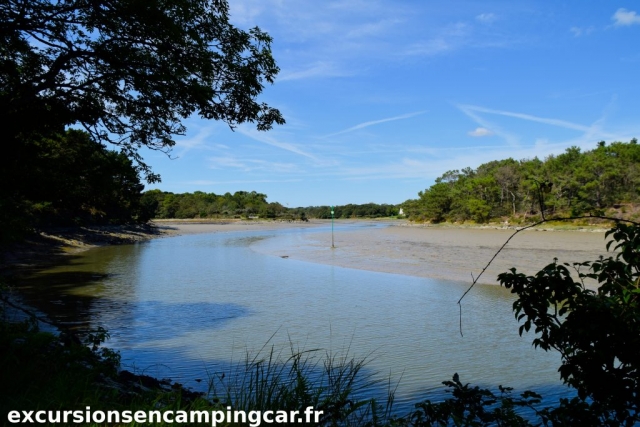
(172,227)
(443,252)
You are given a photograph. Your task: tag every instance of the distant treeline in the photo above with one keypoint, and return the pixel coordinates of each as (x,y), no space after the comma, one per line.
(367,210)
(243,204)
(573,183)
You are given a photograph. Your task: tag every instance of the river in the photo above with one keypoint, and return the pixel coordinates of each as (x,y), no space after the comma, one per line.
(191,307)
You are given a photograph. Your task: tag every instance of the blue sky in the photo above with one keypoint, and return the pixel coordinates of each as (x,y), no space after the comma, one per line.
(382,97)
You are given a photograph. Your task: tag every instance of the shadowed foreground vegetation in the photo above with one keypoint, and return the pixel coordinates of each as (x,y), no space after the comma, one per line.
(597,334)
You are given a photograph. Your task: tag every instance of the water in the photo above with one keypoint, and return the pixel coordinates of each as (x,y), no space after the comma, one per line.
(191,306)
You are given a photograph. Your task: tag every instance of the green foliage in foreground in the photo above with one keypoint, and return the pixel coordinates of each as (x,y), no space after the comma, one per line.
(597,334)
(574,183)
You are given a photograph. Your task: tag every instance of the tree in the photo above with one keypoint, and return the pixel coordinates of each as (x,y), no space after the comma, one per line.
(126,71)
(437,201)
(75,180)
(129,71)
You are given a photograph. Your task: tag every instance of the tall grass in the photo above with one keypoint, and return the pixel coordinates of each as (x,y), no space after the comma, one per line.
(337,385)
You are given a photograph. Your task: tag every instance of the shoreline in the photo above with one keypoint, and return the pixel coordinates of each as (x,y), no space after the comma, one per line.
(416,249)
(412,250)
(441,253)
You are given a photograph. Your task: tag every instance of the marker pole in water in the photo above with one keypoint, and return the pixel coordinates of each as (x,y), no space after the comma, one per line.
(332,246)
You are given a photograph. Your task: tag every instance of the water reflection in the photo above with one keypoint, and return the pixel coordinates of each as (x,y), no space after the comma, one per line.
(190,306)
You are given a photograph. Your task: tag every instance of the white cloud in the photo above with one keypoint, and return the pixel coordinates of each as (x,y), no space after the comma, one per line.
(206,183)
(376,122)
(589,134)
(553,122)
(487,18)
(372,29)
(449,38)
(471,112)
(201,140)
(429,47)
(248,165)
(320,69)
(624,17)
(458,36)
(578,31)
(480,132)
(229,162)
(266,139)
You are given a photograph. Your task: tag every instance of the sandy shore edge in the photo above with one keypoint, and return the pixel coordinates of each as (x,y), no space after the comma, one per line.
(442,251)
(446,253)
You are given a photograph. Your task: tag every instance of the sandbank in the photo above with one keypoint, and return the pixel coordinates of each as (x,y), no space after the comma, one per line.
(173,227)
(441,253)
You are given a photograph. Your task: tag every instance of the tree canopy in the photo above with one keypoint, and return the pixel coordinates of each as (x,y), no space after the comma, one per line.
(127,72)
(573,183)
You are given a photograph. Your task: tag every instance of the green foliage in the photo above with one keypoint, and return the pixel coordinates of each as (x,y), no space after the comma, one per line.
(596,333)
(128,72)
(74,180)
(473,406)
(209,205)
(367,210)
(40,368)
(332,385)
(581,183)
(244,204)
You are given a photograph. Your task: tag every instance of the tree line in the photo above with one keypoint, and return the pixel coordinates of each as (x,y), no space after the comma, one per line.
(572,183)
(247,204)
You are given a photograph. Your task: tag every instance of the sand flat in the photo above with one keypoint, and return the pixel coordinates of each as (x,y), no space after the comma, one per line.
(181,227)
(442,253)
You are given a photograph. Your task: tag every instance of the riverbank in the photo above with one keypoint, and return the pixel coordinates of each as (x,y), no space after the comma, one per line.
(447,251)
(46,246)
(389,298)
(441,252)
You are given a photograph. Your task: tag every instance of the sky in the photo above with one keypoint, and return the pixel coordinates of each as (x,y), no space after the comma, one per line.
(381,97)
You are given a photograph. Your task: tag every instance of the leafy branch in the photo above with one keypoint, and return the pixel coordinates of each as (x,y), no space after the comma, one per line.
(476,278)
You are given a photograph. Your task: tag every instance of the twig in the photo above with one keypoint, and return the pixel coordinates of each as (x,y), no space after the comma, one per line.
(525,228)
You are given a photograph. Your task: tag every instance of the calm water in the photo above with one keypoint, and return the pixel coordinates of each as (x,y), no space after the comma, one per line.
(189,307)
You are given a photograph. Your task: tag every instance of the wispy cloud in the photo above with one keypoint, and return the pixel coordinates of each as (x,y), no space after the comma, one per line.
(321,69)
(478,132)
(578,31)
(471,112)
(206,182)
(372,29)
(250,165)
(449,38)
(589,133)
(376,122)
(201,140)
(267,139)
(624,17)
(184,145)
(487,18)
(553,122)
